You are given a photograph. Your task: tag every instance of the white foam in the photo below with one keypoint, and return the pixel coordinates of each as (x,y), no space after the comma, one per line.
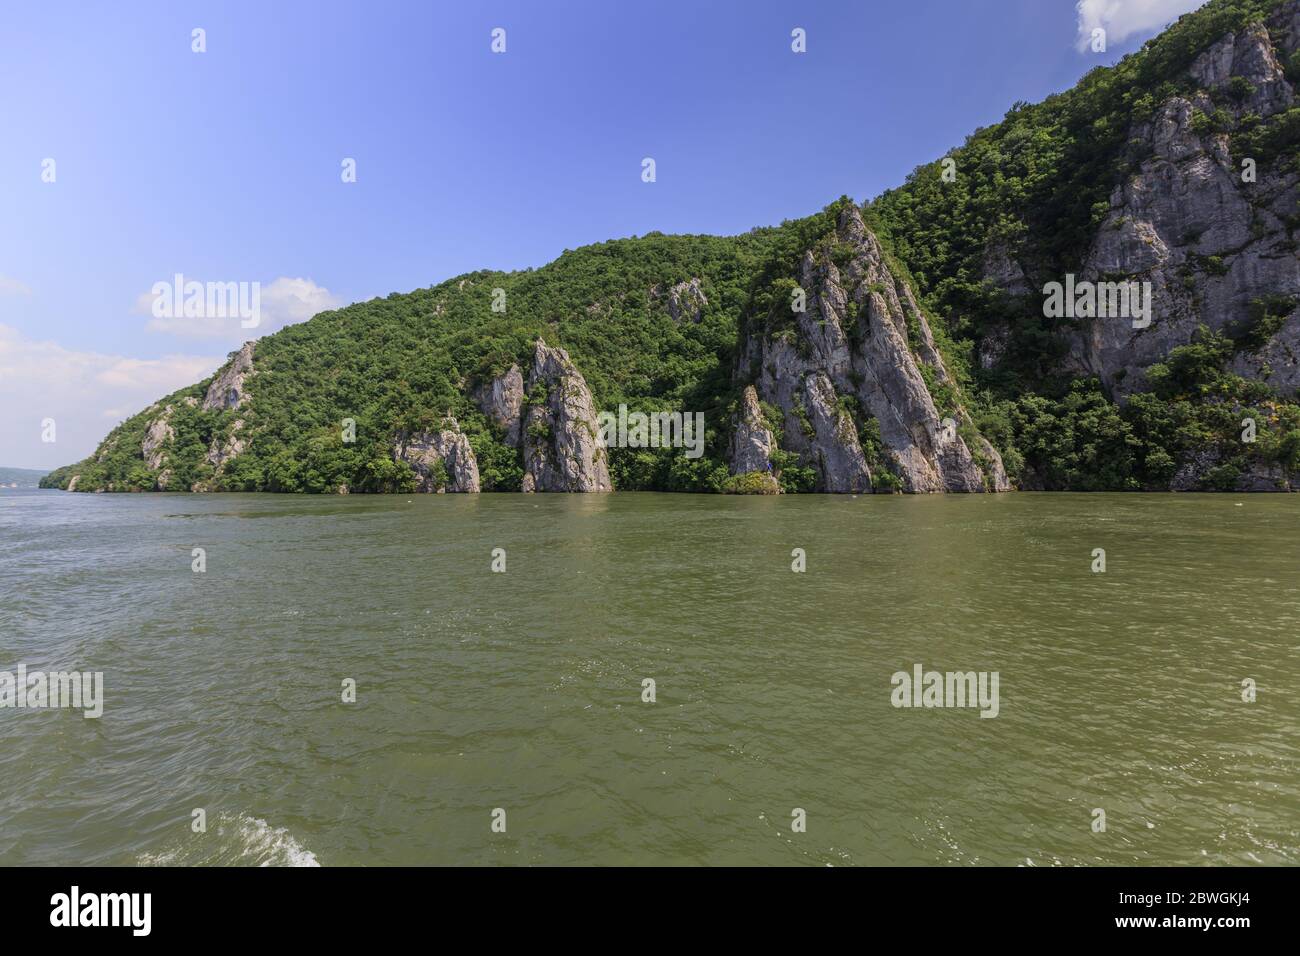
(275,846)
(234,840)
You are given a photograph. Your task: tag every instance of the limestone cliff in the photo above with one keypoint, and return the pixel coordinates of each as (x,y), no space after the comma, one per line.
(560,431)
(227,389)
(752,441)
(442,460)
(1211,235)
(502,400)
(853,355)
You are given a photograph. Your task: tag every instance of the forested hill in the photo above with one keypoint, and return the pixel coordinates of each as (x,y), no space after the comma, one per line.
(923,361)
(20,477)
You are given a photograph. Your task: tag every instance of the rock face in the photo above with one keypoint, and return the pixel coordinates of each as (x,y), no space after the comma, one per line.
(995,475)
(502,401)
(831,444)
(219,453)
(153,448)
(686,300)
(856,353)
(227,389)
(752,441)
(442,460)
(1258,476)
(158,434)
(560,431)
(1207,241)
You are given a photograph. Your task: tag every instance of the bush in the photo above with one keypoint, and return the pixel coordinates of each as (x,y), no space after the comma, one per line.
(751,483)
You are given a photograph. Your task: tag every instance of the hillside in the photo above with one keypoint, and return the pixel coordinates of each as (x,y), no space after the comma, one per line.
(20,478)
(921,360)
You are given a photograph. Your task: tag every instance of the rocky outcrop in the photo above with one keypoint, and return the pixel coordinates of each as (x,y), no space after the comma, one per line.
(1004,271)
(227,389)
(442,460)
(1008,277)
(1248,54)
(827,437)
(1197,472)
(857,352)
(560,431)
(1209,240)
(156,436)
(502,400)
(752,441)
(686,300)
(154,448)
(220,452)
(995,474)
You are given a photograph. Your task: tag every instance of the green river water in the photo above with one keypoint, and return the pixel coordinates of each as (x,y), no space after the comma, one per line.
(522,690)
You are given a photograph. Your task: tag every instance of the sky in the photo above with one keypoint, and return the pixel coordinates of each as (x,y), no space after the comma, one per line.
(227,165)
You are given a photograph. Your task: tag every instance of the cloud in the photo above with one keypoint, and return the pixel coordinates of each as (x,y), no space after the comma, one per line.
(281,302)
(1122,19)
(10,286)
(86,393)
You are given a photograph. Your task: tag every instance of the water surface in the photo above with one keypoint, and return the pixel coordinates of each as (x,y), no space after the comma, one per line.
(522,690)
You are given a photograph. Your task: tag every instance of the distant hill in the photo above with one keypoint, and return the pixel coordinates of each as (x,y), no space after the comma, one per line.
(20,478)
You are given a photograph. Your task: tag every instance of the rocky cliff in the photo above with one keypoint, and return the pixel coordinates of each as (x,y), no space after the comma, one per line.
(227,389)
(560,433)
(847,352)
(553,422)
(1210,226)
(442,460)
(1178,171)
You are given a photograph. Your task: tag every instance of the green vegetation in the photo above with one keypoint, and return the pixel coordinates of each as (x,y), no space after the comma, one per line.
(752,483)
(402,362)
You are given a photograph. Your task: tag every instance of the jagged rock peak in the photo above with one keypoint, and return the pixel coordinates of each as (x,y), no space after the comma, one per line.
(752,441)
(562,449)
(853,355)
(1251,56)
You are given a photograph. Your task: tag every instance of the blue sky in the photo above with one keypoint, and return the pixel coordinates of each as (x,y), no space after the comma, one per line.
(225,165)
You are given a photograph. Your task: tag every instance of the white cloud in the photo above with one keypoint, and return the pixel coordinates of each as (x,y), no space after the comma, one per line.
(10,286)
(86,393)
(283,301)
(1122,19)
